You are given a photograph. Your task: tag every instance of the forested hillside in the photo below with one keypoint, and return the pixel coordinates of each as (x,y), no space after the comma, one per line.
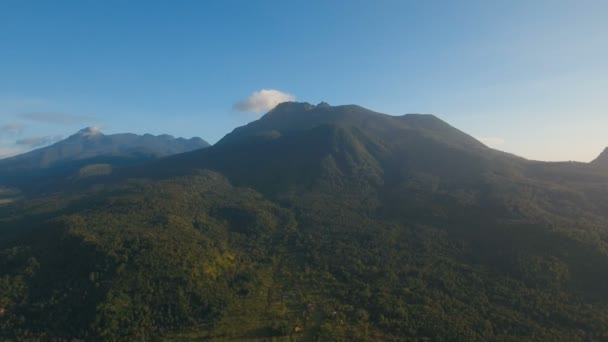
(315,223)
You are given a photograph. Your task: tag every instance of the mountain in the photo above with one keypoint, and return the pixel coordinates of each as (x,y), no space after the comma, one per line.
(90,143)
(291,117)
(91,152)
(331,223)
(602,159)
(296,142)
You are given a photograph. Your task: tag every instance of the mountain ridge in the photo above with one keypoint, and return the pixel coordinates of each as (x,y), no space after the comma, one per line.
(294,116)
(90,141)
(602,159)
(85,153)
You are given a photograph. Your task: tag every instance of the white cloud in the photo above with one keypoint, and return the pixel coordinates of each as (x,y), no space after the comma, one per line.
(12,129)
(263,100)
(90,131)
(493,142)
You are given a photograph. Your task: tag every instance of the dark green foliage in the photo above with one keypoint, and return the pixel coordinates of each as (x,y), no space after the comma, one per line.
(332,224)
(142,258)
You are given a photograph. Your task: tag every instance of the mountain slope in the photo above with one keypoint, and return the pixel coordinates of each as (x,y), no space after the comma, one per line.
(602,159)
(350,224)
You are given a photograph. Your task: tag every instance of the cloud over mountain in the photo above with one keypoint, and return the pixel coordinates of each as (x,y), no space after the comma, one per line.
(263,100)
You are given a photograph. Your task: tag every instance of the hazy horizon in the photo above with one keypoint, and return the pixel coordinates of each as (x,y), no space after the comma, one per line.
(524,77)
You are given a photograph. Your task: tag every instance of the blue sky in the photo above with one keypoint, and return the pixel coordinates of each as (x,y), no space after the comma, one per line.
(528,77)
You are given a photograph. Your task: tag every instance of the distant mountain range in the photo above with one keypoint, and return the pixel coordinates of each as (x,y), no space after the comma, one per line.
(90,146)
(90,143)
(326,223)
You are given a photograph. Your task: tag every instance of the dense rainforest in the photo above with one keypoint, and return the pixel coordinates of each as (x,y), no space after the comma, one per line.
(314,223)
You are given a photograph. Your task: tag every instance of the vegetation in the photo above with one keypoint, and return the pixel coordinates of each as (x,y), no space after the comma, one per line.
(352,228)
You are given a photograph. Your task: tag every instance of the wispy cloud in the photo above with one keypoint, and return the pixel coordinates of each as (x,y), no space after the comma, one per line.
(10,151)
(12,129)
(57,118)
(263,100)
(20,102)
(38,141)
(91,130)
(493,142)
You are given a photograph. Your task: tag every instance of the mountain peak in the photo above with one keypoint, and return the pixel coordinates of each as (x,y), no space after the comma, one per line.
(89,132)
(290,117)
(292,106)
